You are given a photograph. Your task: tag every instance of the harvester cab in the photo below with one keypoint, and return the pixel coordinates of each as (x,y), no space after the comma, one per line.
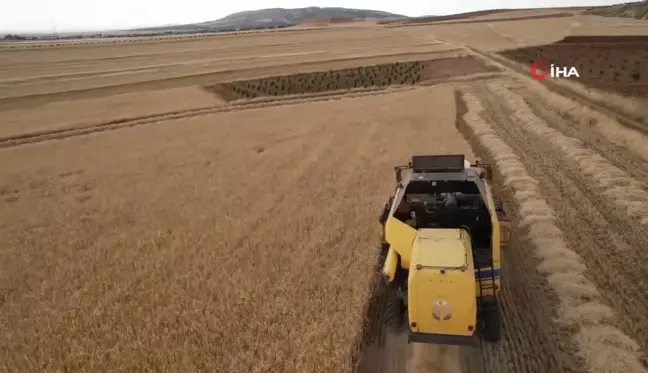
(443,232)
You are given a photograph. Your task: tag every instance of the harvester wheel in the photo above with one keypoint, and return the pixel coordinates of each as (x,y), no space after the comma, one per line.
(394,318)
(384,248)
(492,324)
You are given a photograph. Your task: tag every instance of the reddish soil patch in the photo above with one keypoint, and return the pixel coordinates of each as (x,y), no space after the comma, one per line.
(453,67)
(616,64)
(597,39)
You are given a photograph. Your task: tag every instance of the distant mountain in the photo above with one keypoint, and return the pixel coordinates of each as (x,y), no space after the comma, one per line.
(638,10)
(280,17)
(428,19)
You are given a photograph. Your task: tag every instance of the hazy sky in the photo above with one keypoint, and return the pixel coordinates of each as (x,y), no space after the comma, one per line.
(73,15)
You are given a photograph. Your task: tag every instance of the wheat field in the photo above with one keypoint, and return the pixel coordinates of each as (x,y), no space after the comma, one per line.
(211,204)
(176,245)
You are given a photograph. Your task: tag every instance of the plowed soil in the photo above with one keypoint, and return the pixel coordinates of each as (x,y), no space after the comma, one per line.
(599,39)
(617,64)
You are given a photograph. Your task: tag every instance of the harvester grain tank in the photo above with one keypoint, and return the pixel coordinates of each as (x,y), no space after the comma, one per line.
(443,232)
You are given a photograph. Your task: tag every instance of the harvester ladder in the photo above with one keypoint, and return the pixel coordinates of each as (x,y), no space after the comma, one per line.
(485,279)
(479,307)
(492,277)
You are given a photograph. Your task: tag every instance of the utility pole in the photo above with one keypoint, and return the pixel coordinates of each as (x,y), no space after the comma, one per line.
(54,33)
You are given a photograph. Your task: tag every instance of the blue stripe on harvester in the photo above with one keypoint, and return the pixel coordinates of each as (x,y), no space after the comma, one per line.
(487,273)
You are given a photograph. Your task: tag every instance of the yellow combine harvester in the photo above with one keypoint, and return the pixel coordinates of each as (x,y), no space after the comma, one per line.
(443,233)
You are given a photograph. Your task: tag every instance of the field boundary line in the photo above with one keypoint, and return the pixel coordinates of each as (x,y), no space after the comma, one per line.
(29,138)
(423,46)
(238,105)
(222,76)
(67,43)
(581,305)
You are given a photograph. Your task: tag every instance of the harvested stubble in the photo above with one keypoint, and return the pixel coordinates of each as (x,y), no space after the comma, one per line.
(67,114)
(604,348)
(623,191)
(606,125)
(635,108)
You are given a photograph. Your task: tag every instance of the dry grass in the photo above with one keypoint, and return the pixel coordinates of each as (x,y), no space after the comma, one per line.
(68,87)
(65,114)
(618,134)
(612,182)
(603,347)
(168,257)
(61,69)
(525,13)
(635,108)
(501,35)
(610,127)
(594,25)
(125,122)
(498,35)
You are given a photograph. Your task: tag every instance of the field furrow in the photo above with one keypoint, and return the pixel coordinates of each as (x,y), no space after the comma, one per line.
(79,129)
(592,237)
(528,302)
(623,147)
(611,246)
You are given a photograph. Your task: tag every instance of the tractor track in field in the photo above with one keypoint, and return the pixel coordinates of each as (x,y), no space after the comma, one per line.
(597,196)
(610,242)
(384,351)
(262,102)
(30,100)
(527,303)
(86,129)
(617,155)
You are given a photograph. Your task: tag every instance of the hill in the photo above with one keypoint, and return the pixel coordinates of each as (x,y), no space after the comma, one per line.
(638,10)
(489,15)
(428,19)
(278,17)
